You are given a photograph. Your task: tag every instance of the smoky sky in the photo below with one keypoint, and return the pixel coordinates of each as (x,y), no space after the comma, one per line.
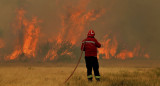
(131,21)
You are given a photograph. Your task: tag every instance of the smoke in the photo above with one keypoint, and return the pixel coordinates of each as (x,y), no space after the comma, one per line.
(130,21)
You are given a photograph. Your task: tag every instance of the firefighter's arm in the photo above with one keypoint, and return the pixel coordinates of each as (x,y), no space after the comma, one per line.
(97,44)
(82,46)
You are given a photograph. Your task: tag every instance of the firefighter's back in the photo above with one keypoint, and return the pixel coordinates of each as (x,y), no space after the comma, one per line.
(90,47)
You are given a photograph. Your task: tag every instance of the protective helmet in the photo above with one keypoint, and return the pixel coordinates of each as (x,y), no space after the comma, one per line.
(91,33)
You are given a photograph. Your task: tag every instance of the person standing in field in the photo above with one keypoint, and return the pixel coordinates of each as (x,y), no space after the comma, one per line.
(90,45)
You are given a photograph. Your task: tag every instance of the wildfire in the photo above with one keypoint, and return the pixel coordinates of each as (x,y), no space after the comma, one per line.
(30,31)
(51,54)
(74,21)
(73,24)
(31,37)
(110,50)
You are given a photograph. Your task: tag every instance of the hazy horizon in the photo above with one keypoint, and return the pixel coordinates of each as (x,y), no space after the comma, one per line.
(131,22)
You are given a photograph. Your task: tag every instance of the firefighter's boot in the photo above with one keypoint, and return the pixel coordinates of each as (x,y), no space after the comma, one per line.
(97,78)
(90,78)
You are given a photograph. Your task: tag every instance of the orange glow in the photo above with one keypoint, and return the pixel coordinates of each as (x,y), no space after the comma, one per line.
(73,23)
(110,46)
(146,55)
(125,54)
(114,46)
(14,55)
(50,55)
(66,53)
(31,38)
(30,31)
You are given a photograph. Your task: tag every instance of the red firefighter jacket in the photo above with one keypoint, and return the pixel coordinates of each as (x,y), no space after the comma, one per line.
(90,45)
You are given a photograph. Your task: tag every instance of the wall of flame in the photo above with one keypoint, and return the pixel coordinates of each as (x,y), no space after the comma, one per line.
(50,30)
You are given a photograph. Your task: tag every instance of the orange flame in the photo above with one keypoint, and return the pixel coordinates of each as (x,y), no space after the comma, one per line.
(30,37)
(30,31)
(110,49)
(73,24)
(14,55)
(51,54)
(125,54)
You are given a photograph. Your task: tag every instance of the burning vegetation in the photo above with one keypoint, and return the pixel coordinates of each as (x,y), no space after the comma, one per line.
(28,35)
(73,25)
(66,43)
(111,49)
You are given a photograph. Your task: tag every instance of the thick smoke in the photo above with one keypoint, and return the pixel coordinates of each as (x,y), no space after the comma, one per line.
(130,21)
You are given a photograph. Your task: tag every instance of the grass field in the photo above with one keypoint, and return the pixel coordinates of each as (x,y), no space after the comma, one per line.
(55,75)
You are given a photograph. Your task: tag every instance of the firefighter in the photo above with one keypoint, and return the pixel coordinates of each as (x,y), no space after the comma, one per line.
(90,45)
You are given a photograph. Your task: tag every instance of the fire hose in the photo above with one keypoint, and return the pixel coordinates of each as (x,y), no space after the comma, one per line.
(75,67)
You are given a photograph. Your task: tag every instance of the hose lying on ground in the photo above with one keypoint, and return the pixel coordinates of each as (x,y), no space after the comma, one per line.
(75,67)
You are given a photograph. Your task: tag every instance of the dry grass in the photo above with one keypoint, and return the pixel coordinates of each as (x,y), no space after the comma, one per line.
(55,76)
(121,77)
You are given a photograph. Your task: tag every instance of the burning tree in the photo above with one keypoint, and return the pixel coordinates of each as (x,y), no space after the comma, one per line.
(28,35)
(66,44)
